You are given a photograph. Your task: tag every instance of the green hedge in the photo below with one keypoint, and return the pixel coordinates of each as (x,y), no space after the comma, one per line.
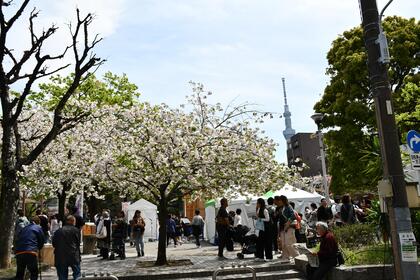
(355,236)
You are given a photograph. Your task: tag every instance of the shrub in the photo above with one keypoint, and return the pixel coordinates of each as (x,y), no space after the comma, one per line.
(355,236)
(376,254)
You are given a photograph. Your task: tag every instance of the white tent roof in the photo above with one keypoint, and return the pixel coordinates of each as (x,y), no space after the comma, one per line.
(294,193)
(142,204)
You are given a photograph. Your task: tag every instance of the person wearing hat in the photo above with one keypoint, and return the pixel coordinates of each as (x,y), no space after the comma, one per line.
(29,243)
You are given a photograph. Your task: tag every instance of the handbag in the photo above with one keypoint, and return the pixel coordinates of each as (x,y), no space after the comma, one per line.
(102,233)
(259,225)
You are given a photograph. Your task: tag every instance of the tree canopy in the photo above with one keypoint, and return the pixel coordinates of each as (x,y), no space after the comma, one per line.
(348,104)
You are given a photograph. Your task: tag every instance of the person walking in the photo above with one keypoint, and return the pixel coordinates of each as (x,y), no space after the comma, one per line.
(264,236)
(119,234)
(66,243)
(287,235)
(327,253)
(29,243)
(170,230)
(103,234)
(197,224)
(222,225)
(138,229)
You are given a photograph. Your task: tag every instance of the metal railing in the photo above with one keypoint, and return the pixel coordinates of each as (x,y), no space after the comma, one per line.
(100,276)
(239,268)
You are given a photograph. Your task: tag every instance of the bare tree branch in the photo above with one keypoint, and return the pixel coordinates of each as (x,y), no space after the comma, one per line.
(82,66)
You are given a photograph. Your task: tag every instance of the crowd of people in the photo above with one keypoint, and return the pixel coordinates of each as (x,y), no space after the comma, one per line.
(278,226)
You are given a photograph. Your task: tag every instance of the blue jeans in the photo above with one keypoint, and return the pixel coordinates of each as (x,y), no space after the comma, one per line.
(138,240)
(63,271)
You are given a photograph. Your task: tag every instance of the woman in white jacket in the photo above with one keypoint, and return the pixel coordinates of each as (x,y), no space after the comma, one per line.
(264,240)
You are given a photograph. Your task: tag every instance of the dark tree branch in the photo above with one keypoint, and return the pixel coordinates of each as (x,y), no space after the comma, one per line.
(82,66)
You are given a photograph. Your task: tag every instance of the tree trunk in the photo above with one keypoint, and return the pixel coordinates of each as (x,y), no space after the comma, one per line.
(163,215)
(92,204)
(9,200)
(62,197)
(61,205)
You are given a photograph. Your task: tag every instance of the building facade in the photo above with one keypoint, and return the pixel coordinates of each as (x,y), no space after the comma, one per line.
(304,147)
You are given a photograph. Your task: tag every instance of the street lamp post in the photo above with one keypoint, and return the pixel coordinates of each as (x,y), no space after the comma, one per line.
(317,117)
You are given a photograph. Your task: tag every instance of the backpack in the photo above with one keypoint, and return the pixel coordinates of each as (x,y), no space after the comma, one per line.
(348,214)
(297,222)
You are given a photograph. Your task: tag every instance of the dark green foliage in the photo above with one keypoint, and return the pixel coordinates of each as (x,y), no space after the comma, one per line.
(349,108)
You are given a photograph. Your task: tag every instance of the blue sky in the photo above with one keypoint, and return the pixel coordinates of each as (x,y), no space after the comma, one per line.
(236,48)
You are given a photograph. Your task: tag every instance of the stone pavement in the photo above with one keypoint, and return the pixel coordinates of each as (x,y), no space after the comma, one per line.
(201,258)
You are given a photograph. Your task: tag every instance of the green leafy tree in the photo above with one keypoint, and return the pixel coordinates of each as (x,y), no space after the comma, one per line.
(348,102)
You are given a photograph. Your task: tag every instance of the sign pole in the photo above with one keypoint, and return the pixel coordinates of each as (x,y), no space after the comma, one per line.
(399,213)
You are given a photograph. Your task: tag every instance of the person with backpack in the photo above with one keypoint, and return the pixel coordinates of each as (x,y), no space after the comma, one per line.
(139,227)
(347,211)
(281,220)
(273,223)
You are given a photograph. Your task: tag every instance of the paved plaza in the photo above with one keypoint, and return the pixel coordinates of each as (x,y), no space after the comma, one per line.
(201,258)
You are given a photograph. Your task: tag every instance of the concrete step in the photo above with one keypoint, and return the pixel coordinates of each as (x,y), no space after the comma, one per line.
(267,273)
(275,275)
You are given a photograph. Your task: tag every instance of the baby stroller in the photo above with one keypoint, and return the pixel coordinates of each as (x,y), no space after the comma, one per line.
(248,242)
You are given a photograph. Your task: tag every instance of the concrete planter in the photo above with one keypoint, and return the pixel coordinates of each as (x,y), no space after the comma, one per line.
(359,272)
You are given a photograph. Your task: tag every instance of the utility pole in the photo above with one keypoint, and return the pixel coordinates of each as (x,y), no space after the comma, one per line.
(406,268)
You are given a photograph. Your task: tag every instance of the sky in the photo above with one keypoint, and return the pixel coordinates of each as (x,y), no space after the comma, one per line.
(239,49)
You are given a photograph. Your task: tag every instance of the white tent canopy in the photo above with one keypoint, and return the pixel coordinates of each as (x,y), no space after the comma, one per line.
(149,214)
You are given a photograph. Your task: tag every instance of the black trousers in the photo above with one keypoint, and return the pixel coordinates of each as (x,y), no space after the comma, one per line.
(28,261)
(197,233)
(169,236)
(318,273)
(222,234)
(265,244)
(275,236)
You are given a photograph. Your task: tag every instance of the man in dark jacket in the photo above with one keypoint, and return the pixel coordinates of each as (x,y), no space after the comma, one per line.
(327,253)
(66,242)
(30,241)
(324,213)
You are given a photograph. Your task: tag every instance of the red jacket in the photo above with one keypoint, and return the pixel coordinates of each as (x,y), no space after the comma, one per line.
(329,247)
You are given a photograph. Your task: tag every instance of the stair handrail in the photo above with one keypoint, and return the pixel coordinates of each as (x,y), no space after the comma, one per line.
(235,269)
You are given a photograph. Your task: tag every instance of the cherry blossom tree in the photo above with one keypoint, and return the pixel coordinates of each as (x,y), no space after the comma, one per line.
(26,69)
(166,153)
